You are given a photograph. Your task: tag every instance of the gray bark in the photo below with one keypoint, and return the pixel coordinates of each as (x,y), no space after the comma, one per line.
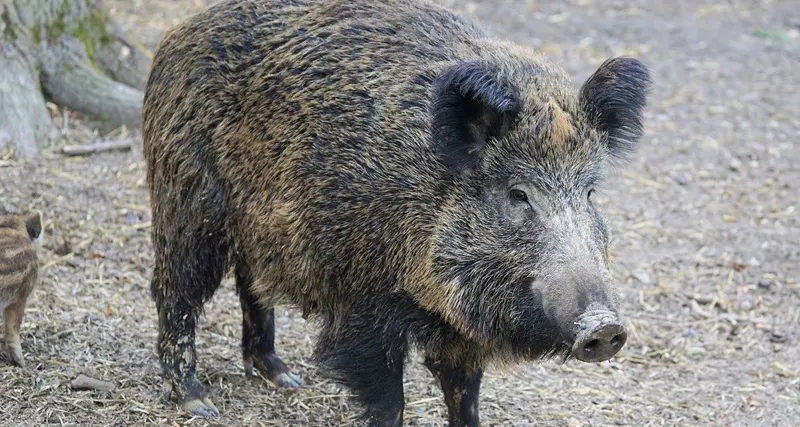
(23,115)
(70,53)
(68,80)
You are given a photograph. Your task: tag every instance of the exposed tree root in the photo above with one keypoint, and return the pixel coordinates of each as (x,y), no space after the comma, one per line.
(68,52)
(70,82)
(23,115)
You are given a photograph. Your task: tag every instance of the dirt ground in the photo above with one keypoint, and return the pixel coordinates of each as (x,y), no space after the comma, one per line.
(707,247)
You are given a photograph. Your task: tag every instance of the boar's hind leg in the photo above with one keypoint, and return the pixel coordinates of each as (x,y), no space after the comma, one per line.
(258,335)
(191,257)
(461,383)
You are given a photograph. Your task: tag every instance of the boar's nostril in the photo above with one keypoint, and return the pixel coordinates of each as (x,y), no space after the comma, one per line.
(600,341)
(591,346)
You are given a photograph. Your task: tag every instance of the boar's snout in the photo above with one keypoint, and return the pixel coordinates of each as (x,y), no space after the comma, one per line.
(599,335)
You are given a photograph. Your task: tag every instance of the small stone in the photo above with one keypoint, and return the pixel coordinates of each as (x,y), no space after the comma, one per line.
(765,283)
(777,336)
(735,165)
(681,180)
(703,299)
(689,333)
(643,277)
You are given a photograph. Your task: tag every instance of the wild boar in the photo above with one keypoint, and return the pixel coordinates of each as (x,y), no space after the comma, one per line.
(19,235)
(394,171)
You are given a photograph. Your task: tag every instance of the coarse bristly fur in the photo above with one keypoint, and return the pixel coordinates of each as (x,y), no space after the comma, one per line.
(19,233)
(389,168)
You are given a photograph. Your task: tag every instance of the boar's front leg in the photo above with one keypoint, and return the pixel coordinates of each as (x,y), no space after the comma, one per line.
(461,382)
(367,355)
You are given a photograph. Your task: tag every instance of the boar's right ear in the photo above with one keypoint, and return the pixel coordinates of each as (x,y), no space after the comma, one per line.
(470,105)
(33,224)
(614,98)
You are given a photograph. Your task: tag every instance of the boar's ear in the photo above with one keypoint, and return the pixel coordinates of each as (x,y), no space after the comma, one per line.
(614,98)
(33,224)
(470,105)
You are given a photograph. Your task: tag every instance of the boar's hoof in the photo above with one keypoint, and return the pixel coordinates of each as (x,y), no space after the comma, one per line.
(599,336)
(201,407)
(287,380)
(272,367)
(15,355)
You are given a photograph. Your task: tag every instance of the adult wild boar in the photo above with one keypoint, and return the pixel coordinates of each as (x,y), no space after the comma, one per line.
(393,170)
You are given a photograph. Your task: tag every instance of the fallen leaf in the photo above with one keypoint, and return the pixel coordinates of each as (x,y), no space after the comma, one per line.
(752,401)
(110,311)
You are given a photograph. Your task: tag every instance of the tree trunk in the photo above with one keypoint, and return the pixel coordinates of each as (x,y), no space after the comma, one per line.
(68,52)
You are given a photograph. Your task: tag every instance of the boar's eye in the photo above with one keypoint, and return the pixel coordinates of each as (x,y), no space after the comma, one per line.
(589,194)
(518,195)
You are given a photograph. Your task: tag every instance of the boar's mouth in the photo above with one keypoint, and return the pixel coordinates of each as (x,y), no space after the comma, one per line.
(546,340)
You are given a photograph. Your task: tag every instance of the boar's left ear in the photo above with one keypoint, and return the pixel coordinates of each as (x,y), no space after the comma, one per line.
(470,105)
(614,98)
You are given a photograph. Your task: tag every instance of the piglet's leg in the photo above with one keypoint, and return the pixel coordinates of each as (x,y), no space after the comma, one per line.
(13,318)
(13,314)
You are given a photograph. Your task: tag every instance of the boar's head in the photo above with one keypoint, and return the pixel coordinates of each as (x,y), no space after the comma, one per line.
(520,246)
